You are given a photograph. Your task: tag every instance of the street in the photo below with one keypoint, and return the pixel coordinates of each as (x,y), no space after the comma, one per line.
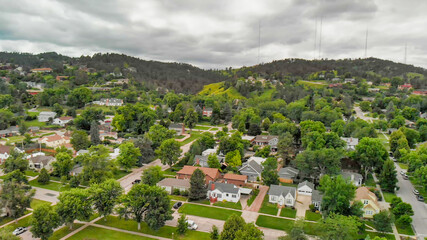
(361,115)
(420,208)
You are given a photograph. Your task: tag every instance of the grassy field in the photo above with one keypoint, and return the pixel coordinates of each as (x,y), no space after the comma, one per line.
(178,198)
(388,196)
(165,231)
(218,89)
(51,185)
(405,229)
(201,128)
(4,220)
(35,123)
(94,233)
(312,84)
(268,208)
(203,201)
(237,205)
(35,203)
(64,231)
(275,223)
(288,212)
(207,212)
(403,166)
(31,173)
(194,136)
(312,216)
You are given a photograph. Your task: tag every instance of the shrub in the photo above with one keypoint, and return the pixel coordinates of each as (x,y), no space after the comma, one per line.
(312,207)
(176,191)
(74,182)
(404,220)
(184,193)
(43,177)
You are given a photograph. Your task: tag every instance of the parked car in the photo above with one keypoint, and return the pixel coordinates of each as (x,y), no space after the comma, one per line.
(191,225)
(416,192)
(177,205)
(405,177)
(420,198)
(19,231)
(136,181)
(402,172)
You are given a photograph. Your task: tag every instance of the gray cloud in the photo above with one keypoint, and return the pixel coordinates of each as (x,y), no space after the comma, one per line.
(216,34)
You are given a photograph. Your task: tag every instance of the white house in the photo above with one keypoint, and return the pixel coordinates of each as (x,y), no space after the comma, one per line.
(259,160)
(169,184)
(305,188)
(223,192)
(267,140)
(351,142)
(5,152)
(39,162)
(355,178)
(62,121)
(54,141)
(115,153)
(109,102)
(45,116)
(282,195)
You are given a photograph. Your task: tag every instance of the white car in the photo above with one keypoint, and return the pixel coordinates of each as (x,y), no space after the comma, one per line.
(19,231)
(402,172)
(191,225)
(416,192)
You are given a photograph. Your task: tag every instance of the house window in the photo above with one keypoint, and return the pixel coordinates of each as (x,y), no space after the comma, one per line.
(219,195)
(226,194)
(233,196)
(365,202)
(273,198)
(288,201)
(316,204)
(368,212)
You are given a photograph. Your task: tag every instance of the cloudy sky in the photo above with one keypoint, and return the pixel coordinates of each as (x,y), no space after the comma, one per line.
(220,33)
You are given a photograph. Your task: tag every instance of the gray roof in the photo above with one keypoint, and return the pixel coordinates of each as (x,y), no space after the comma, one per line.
(252,165)
(6,131)
(264,138)
(41,159)
(311,185)
(316,196)
(174,182)
(288,172)
(82,151)
(277,190)
(203,160)
(77,169)
(34,128)
(356,176)
(47,114)
(224,187)
(175,126)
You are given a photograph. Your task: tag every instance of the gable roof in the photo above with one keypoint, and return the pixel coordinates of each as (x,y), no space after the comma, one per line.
(356,176)
(188,170)
(252,165)
(52,138)
(277,190)
(41,159)
(65,118)
(316,196)
(175,125)
(174,182)
(364,193)
(201,160)
(288,172)
(5,149)
(264,138)
(231,176)
(306,183)
(224,187)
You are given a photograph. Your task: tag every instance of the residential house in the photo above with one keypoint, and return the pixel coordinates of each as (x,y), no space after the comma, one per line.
(355,178)
(306,188)
(282,195)
(54,141)
(33,129)
(118,82)
(109,102)
(420,92)
(351,142)
(5,133)
(248,138)
(259,160)
(223,192)
(236,179)
(207,112)
(212,174)
(41,70)
(170,184)
(201,161)
(61,78)
(369,200)
(409,124)
(103,135)
(251,169)
(374,90)
(267,140)
(179,128)
(316,200)
(40,161)
(349,80)
(210,151)
(77,169)
(288,174)
(404,86)
(4,153)
(424,115)
(62,121)
(45,116)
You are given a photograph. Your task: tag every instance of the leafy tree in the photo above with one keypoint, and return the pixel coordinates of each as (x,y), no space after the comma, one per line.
(75,204)
(297,232)
(388,176)
(79,140)
(169,151)
(269,174)
(15,198)
(216,115)
(44,177)
(382,221)
(214,233)
(338,227)
(394,202)
(338,127)
(365,106)
(191,118)
(182,225)
(17,176)
(229,144)
(319,162)
(43,221)
(254,129)
(370,153)
(128,156)
(152,175)
(213,161)
(233,224)
(63,164)
(233,159)
(404,220)
(197,185)
(79,97)
(421,175)
(403,209)
(105,196)
(337,194)
(249,232)
(285,146)
(158,134)
(58,109)
(147,152)
(94,133)
(6,234)
(266,124)
(263,152)
(16,161)
(412,135)
(150,204)
(96,164)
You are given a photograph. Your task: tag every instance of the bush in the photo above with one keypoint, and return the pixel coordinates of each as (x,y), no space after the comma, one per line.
(184,193)
(74,182)
(312,207)
(176,191)
(44,177)
(404,220)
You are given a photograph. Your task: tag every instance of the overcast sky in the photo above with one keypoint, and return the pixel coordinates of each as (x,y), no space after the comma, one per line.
(220,33)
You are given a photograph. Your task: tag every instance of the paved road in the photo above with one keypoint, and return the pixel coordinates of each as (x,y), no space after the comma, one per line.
(46,195)
(420,209)
(361,115)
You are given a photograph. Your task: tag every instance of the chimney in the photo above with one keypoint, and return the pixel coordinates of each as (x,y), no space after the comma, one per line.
(212,186)
(198,161)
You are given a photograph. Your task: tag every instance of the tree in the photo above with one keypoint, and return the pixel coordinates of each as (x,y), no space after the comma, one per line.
(370,153)
(169,151)
(285,146)
(79,97)
(128,156)
(147,152)
(15,198)
(338,127)
(214,233)
(382,221)
(43,221)
(22,128)
(94,133)
(79,140)
(75,204)
(63,164)
(44,177)
(182,225)
(404,220)
(297,232)
(150,204)
(254,129)
(403,209)
(337,194)
(233,224)
(394,202)
(58,109)
(365,106)
(197,185)
(314,163)
(16,161)
(269,174)
(338,227)
(6,234)
(157,134)
(249,232)
(96,164)
(388,176)
(412,135)
(191,118)
(105,196)
(233,159)
(266,124)
(152,175)
(17,176)
(213,161)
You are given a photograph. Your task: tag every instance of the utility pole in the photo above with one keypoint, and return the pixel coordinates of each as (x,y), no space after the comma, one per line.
(366,44)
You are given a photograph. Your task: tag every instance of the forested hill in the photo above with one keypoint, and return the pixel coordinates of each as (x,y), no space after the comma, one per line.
(357,68)
(179,77)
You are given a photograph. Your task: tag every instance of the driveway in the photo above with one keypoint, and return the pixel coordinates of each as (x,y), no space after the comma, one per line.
(126,181)
(420,208)
(46,195)
(256,204)
(302,205)
(361,115)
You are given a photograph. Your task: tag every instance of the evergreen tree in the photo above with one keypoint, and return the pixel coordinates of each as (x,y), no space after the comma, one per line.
(388,176)
(182,225)
(198,185)
(214,233)
(44,177)
(94,133)
(233,224)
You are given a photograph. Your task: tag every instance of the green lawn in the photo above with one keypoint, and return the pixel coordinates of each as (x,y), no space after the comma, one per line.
(14,139)
(170,171)
(35,123)
(233,205)
(121,173)
(165,231)
(288,212)
(388,196)
(403,166)
(203,201)
(178,198)
(51,185)
(253,196)
(275,223)
(312,216)
(4,220)
(194,136)
(31,173)
(201,128)
(289,184)
(64,231)
(268,208)
(207,212)
(25,222)
(405,229)
(179,137)
(382,235)
(213,129)
(94,233)
(35,203)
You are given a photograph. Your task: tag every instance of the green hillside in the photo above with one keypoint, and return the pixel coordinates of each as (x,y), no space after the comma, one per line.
(217,89)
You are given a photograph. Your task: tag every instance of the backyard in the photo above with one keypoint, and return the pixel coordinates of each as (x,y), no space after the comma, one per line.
(207,212)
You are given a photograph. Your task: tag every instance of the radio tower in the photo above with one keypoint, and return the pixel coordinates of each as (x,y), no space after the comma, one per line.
(366,44)
(320,36)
